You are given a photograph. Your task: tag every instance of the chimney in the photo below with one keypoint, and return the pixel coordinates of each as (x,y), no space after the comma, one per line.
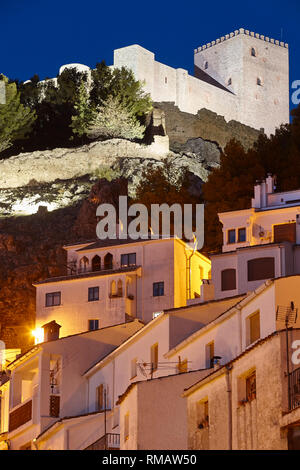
(51,331)
(270,181)
(256,201)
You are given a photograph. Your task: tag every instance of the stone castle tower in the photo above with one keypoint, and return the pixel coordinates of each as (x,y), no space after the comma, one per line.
(253,67)
(242,76)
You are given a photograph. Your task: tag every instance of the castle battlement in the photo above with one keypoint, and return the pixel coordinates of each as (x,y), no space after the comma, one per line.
(237,33)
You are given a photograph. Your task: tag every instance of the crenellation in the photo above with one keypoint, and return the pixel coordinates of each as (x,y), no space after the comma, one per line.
(247,33)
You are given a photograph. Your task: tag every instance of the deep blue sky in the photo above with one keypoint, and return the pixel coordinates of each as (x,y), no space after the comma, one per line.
(37,36)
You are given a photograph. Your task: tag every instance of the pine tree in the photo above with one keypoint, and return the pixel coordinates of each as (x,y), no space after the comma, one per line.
(84,114)
(16,120)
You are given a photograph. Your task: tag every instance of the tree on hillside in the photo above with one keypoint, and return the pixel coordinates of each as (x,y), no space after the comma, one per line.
(120,84)
(16,120)
(114,119)
(84,114)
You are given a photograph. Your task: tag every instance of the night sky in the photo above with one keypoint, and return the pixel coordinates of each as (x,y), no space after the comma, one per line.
(38,36)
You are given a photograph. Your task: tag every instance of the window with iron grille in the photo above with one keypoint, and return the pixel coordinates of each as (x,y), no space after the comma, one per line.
(93,294)
(53,299)
(158,289)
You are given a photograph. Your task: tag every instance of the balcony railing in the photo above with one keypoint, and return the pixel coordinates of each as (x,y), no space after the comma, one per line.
(109,441)
(20,416)
(93,269)
(294,399)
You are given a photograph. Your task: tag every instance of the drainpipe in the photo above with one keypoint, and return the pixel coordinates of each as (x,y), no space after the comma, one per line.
(229,401)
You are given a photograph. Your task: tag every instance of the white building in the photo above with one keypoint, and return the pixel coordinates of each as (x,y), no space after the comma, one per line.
(259,243)
(46,387)
(109,282)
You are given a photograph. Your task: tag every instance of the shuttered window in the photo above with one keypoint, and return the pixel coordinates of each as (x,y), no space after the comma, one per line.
(228,279)
(261,268)
(285,233)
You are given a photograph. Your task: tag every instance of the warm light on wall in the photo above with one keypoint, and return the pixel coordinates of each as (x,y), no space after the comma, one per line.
(38,335)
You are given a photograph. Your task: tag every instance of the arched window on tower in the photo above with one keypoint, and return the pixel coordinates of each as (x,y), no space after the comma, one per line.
(253,52)
(229,82)
(206,65)
(259,81)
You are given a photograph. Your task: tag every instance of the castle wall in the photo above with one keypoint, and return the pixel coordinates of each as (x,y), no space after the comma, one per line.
(48,165)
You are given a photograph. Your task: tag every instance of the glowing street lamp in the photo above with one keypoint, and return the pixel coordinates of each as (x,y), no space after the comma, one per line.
(38,335)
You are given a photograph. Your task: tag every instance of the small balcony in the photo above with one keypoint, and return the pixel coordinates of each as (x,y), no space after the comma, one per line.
(20,415)
(294,382)
(109,441)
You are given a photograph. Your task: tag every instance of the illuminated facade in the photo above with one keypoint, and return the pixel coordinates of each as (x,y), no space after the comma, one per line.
(112,282)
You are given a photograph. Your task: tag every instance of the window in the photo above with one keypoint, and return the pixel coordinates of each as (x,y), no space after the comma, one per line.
(126,427)
(251,387)
(158,289)
(128,259)
(53,299)
(93,294)
(100,397)
(285,232)
(134,368)
(83,264)
(253,52)
(229,82)
(120,288)
(108,261)
(228,279)
(154,356)
(166,79)
(261,268)
(252,328)
(231,236)
(202,414)
(206,65)
(259,81)
(93,325)
(209,355)
(96,263)
(241,235)
(113,289)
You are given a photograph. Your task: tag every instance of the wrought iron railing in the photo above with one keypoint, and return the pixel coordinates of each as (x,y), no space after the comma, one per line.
(294,382)
(93,269)
(109,441)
